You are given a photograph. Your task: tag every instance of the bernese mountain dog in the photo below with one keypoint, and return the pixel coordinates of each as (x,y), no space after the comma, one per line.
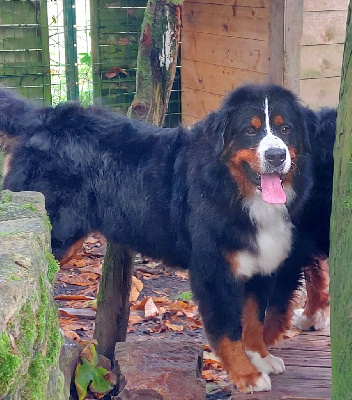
(222,199)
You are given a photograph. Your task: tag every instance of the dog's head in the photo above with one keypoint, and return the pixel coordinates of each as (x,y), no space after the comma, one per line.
(261,133)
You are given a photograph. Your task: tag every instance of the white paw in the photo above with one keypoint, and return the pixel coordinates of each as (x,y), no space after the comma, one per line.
(318,321)
(269,364)
(262,384)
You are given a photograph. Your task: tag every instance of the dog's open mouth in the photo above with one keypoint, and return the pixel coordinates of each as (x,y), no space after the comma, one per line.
(270,185)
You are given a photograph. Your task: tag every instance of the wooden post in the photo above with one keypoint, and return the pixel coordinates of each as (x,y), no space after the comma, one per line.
(113,299)
(70,49)
(341,234)
(157,60)
(156,67)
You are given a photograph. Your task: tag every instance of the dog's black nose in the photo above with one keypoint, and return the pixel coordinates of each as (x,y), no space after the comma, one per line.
(275,156)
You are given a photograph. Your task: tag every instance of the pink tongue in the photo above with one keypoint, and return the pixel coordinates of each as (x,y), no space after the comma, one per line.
(272,191)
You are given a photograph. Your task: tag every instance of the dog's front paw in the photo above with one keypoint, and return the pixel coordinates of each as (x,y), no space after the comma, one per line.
(269,364)
(254,383)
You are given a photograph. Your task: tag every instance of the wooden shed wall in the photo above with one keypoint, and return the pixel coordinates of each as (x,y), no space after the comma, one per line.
(324,26)
(225,43)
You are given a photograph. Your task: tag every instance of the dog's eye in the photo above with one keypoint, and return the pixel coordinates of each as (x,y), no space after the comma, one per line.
(285,129)
(250,131)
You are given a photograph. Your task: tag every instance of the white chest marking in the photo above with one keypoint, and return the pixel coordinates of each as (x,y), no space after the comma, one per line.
(272,241)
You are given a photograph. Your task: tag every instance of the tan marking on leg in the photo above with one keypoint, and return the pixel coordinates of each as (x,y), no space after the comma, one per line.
(253,329)
(276,324)
(317,284)
(6,165)
(234,360)
(71,252)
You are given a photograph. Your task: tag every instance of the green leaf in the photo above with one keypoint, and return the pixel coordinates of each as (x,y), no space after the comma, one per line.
(89,376)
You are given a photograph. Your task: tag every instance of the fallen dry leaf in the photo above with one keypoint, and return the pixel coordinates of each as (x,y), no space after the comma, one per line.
(173,327)
(182,274)
(73,297)
(150,309)
(136,289)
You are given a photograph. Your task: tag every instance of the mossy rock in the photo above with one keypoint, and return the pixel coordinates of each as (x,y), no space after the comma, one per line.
(30,340)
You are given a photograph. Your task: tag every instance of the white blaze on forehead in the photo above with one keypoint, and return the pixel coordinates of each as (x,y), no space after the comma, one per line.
(271,141)
(267,120)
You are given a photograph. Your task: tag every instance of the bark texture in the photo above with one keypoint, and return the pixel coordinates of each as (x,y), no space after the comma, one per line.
(341,234)
(157,60)
(113,299)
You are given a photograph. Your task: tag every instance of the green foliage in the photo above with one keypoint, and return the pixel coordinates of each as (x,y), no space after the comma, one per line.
(89,375)
(184,296)
(53,266)
(37,379)
(30,207)
(9,364)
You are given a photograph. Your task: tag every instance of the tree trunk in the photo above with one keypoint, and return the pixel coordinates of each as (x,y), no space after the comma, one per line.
(157,60)
(341,235)
(113,299)
(156,67)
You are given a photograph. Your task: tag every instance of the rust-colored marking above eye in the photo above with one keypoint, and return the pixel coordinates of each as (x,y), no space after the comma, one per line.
(256,122)
(278,120)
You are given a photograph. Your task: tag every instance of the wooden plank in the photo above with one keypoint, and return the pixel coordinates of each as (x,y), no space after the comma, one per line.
(187,120)
(237,3)
(276,65)
(216,79)
(324,27)
(321,61)
(323,92)
(246,54)
(243,22)
(197,104)
(320,5)
(293,26)
(13,12)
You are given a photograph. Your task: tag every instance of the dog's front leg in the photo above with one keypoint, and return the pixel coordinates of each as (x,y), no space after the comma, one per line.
(221,301)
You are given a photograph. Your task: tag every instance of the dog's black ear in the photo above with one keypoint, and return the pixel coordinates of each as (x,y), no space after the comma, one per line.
(214,126)
(17,115)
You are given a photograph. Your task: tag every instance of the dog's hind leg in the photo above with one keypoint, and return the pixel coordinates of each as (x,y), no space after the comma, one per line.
(316,313)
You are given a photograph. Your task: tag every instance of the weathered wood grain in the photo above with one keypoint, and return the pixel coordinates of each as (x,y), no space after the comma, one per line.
(242,22)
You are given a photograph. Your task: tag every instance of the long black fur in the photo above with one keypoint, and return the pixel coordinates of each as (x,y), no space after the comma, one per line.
(166,193)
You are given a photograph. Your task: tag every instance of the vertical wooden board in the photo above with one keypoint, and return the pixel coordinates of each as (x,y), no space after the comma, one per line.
(323,92)
(247,54)
(329,5)
(115,34)
(276,42)
(324,27)
(243,22)
(321,61)
(293,25)
(216,79)
(198,104)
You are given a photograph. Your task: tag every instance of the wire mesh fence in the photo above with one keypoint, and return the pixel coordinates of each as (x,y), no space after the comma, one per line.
(57,50)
